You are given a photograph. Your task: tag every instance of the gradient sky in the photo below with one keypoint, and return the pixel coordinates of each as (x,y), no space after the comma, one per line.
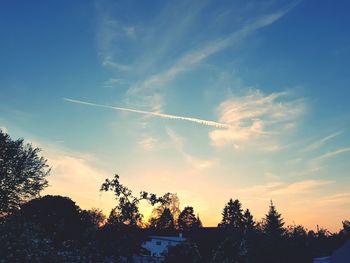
(275,74)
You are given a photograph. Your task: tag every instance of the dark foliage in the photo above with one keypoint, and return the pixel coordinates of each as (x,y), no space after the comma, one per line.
(165,223)
(93,217)
(49,229)
(127,211)
(119,240)
(22,173)
(232,249)
(232,216)
(248,221)
(274,223)
(54,229)
(346,227)
(58,217)
(207,240)
(187,220)
(24,242)
(184,253)
(163,220)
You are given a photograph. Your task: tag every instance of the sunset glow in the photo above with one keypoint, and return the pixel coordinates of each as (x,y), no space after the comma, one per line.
(211,100)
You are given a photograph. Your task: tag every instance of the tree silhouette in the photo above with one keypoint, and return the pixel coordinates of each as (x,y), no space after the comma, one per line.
(169,201)
(165,223)
(228,251)
(199,222)
(94,216)
(127,211)
(59,217)
(115,238)
(346,226)
(248,221)
(232,216)
(24,242)
(273,222)
(187,220)
(184,253)
(22,173)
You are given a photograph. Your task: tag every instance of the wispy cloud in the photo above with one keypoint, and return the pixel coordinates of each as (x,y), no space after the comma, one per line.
(279,188)
(332,154)
(154,52)
(256,116)
(109,32)
(155,114)
(316,145)
(148,143)
(338,198)
(71,168)
(193,161)
(302,187)
(196,56)
(114,82)
(108,62)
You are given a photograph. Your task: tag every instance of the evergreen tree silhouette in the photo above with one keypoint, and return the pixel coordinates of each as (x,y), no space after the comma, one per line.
(232,216)
(248,220)
(274,222)
(187,220)
(165,223)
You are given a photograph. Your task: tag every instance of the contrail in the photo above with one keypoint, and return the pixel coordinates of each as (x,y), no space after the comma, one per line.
(156,114)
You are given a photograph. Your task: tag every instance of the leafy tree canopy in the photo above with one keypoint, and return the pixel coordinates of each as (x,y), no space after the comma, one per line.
(94,216)
(22,173)
(59,217)
(127,211)
(170,201)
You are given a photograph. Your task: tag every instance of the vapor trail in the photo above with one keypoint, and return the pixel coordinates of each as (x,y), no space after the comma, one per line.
(156,114)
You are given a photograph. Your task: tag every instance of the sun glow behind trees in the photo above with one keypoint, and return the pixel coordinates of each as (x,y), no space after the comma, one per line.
(278,93)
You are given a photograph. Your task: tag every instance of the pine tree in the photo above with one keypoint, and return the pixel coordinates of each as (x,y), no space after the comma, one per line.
(187,220)
(165,222)
(199,222)
(232,216)
(248,220)
(274,222)
(346,226)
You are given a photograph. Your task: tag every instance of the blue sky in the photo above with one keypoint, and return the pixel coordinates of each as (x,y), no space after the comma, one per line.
(275,74)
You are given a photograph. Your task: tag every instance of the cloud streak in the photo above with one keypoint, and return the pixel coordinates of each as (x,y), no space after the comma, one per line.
(199,164)
(320,142)
(274,189)
(196,56)
(333,153)
(154,114)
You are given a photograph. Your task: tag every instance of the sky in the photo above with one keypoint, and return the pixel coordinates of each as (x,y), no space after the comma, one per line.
(208,99)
